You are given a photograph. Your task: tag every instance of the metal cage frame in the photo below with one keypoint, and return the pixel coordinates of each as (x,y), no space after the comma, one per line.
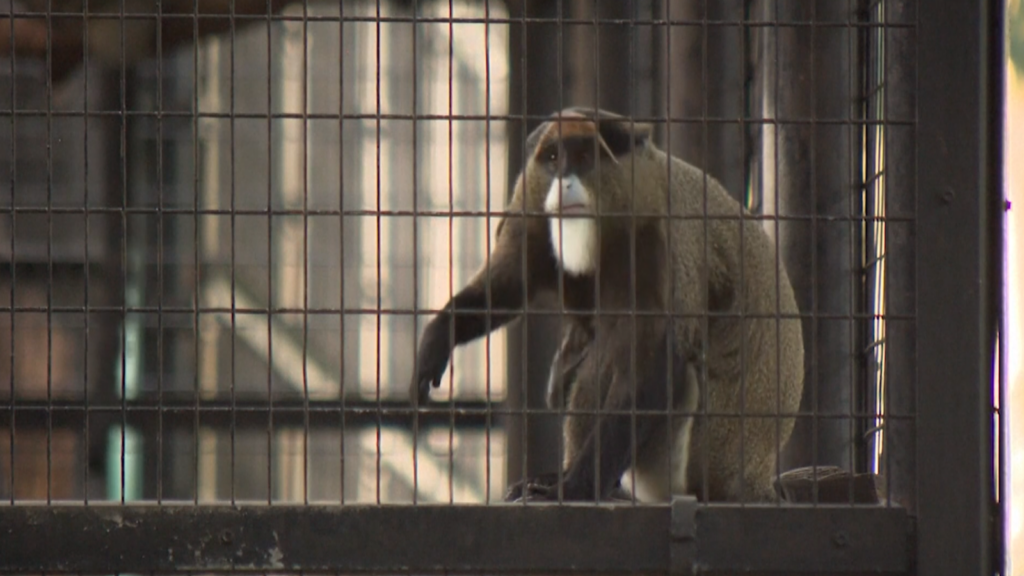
(953,75)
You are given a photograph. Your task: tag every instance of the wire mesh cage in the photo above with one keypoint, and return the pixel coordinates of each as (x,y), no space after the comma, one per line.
(232,231)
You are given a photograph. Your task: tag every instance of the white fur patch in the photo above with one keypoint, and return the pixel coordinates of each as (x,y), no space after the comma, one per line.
(661,483)
(657,480)
(574,239)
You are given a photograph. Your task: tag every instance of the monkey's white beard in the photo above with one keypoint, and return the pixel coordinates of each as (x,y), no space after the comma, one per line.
(574,239)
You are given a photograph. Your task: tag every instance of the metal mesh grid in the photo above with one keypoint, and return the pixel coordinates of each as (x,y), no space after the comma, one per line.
(223,233)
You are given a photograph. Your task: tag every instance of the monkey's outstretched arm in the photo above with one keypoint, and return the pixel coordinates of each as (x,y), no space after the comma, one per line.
(613,440)
(489,301)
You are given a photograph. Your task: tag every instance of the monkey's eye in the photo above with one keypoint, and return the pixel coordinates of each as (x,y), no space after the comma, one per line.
(583,158)
(552,156)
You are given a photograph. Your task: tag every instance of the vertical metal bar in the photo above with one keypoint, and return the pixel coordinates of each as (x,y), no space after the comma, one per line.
(342,100)
(160,277)
(270,251)
(305,253)
(88,262)
(194,124)
(415,428)
(233,257)
(125,264)
(488,427)
(377,223)
(451,233)
(958,247)
(49,260)
(14,258)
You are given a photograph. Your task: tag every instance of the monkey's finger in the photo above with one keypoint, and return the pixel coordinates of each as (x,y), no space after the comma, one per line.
(432,378)
(419,391)
(419,388)
(425,386)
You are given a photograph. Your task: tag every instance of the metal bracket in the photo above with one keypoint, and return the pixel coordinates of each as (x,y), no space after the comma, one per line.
(683,536)
(788,539)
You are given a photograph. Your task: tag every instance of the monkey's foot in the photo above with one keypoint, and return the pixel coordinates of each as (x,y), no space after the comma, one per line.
(620,495)
(538,488)
(544,488)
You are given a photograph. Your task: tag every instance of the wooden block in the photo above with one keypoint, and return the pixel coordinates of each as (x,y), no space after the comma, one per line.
(827,484)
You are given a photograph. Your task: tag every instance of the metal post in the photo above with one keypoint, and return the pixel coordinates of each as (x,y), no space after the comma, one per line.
(897,460)
(959,203)
(534,90)
(810,75)
(555,65)
(705,73)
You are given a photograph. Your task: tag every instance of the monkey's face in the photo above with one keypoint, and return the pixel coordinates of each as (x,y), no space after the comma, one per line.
(580,172)
(570,164)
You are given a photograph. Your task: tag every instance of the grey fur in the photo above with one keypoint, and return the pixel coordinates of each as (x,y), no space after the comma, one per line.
(684,249)
(748,365)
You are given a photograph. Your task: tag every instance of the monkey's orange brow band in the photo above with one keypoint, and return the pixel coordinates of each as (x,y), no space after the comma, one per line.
(573,125)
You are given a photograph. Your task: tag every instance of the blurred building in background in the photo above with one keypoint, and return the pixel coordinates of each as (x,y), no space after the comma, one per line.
(305,230)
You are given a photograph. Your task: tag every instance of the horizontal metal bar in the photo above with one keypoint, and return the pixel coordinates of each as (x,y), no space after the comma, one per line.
(383,19)
(375,117)
(316,420)
(42,209)
(358,408)
(248,414)
(552,313)
(495,538)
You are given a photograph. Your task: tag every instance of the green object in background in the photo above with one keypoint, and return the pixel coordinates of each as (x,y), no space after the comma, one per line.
(132,455)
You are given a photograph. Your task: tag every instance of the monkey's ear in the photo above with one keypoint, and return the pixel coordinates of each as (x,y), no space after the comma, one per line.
(622,136)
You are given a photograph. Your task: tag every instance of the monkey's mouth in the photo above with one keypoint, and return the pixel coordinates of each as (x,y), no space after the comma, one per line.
(574,209)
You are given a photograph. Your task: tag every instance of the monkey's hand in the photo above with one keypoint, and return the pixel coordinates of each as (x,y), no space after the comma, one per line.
(431,361)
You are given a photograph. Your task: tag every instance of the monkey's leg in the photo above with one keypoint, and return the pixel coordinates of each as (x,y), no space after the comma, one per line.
(566,363)
(661,469)
(565,367)
(615,429)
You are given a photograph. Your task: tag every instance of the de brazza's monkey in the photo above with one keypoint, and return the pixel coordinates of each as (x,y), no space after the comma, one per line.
(677,301)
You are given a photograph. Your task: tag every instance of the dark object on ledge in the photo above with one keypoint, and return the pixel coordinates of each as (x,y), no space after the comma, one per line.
(833,485)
